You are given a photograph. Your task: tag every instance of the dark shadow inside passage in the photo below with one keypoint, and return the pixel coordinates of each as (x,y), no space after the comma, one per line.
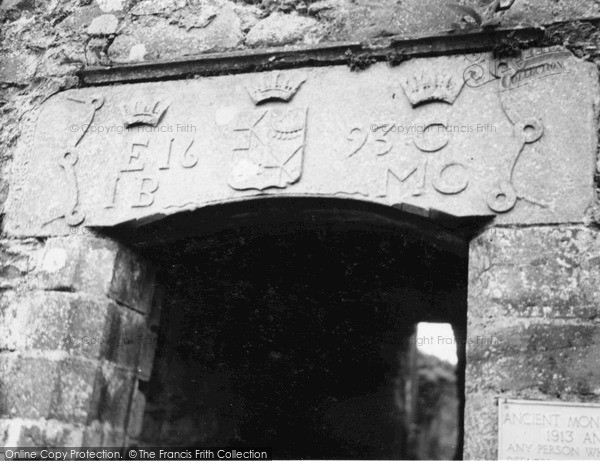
(295,330)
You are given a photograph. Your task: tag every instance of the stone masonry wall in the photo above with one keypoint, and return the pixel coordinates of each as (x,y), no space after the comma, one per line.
(76,317)
(533,327)
(44,43)
(55,390)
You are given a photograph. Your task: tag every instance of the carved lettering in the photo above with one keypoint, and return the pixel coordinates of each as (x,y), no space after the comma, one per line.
(148,186)
(358,137)
(419,172)
(433,138)
(452,178)
(189,159)
(384,146)
(133,161)
(113,193)
(167,163)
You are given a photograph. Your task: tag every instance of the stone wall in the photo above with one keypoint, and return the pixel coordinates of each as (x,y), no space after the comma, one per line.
(531,288)
(75,340)
(532,323)
(44,43)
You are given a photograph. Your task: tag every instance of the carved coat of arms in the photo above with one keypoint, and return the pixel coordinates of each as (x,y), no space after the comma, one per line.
(270,147)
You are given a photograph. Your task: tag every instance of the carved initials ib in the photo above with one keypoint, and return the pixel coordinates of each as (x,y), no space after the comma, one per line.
(148,186)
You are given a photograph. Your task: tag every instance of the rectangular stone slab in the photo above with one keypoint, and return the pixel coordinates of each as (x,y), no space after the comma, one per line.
(462,136)
(548,430)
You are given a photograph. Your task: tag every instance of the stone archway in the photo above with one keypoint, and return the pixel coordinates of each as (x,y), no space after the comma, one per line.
(361,276)
(291,321)
(117,159)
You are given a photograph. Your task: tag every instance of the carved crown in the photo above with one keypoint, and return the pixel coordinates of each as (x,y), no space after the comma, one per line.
(425,87)
(275,86)
(144,113)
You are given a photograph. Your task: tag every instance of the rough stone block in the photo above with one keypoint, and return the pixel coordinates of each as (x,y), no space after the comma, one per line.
(282,29)
(93,434)
(114,439)
(532,331)
(136,414)
(481,426)
(78,264)
(51,321)
(113,391)
(17,68)
(68,390)
(97,266)
(47,321)
(126,336)
(18,260)
(133,281)
(28,386)
(17,4)
(111,5)
(106,24)
(73,393)
(554,357)
(99,434)
(192,33)
(550,272)
(150,7)
(41,433)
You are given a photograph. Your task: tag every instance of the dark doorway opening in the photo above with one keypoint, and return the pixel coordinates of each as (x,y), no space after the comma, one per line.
(295,330)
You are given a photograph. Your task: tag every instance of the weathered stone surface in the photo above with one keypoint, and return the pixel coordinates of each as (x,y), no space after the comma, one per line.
(53,322)
(136,414)
(127,335)
(113,390)
(68,390)
(106,24)
(110,5)
(41,433)
(537,272)
(99,434)
(51,389)
(27,386)
(97,266)
(78,264)
(157,7)
(17,68)
(433,135)
(132,282)
(279,30)
(18,259)
(186,35)
(532,323)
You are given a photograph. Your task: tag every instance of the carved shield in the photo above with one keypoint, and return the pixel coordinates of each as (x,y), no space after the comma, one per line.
(270,148)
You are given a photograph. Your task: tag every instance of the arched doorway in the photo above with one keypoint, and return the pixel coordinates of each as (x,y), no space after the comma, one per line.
(289,323)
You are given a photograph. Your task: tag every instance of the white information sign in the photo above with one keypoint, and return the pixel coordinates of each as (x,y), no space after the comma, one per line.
(548,430)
